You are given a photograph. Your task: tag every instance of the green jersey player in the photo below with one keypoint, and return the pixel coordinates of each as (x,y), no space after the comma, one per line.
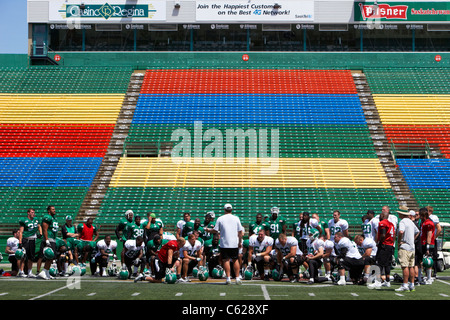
(276,222)
(30,229)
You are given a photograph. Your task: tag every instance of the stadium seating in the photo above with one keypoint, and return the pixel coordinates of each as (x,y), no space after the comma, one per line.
(326,156)
(55,127)
(414,107)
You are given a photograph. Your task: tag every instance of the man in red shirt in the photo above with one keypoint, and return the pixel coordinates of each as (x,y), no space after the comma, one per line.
(385,244)
(427,239)
(166,261)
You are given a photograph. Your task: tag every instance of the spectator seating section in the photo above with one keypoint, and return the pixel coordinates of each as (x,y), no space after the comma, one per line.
(326,156)
(55,127)
(414,107)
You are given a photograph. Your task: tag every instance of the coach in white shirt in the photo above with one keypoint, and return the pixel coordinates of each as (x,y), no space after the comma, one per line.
(408,232)
(231,232)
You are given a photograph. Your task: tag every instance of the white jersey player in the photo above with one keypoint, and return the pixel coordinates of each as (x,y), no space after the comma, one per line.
(337,225)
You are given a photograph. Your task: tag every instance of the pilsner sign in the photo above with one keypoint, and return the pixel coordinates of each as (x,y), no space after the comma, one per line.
(402,11)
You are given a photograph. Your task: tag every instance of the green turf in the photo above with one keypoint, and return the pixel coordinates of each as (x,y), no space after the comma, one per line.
(95,288)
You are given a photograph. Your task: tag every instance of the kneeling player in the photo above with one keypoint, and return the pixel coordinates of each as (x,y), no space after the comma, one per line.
(259,248)
(166,261)
(105,248)
(368,249)
(315,247)
(289,256)
(192,255)
(133,255)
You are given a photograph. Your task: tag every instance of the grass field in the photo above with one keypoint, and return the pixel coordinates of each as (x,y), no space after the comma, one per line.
(96,288)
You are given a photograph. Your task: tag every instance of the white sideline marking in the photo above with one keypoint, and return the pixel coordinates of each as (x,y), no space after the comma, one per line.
(3,294)
(443,294)
(179,294)
(442,281)
(400,295)
(354,294)
(56,290)
(265,293)
(311,294)
(91,294)
(135,294)
(223,294)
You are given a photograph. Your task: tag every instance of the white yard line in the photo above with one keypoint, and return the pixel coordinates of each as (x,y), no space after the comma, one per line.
(56,290)
(179,294)
(265,293)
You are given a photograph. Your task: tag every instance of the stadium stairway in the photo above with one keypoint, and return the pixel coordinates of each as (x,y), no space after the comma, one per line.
(399,185)
(100,184)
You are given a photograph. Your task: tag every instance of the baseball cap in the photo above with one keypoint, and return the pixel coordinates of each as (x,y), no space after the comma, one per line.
(412,213)
(228,207)
(211,214)
(69,218)
(153,215)
(128,212)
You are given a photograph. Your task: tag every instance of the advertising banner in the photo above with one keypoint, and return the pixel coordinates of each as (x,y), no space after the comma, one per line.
(403,11)
(101,11)
(255,11)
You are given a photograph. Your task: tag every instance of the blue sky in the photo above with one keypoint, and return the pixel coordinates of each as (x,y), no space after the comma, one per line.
(13,26)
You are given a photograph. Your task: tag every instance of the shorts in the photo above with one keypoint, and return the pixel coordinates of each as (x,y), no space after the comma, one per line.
(406,258)
(229,253)
(384,256)
(30,248)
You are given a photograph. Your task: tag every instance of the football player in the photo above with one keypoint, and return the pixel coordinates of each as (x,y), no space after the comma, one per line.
(305,225)
(276,222)
(289,256)
(368,250)
(315,248)
(105,248)
(29,230)
(337,225)
(133,255)
(259,224)
(208,223)
(366,225)
(427,240)
(135,229)
(50,229)
(167,261)
(192,255)
(348,258)
(259,250)
(181,223)
(385,243)
(154,227)
(212,252)
(120,229)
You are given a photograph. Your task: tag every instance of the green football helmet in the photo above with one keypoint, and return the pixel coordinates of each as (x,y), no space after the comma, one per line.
(276,275)
(19,254)
(83,270)
(171,278)
(48,253)
(203,275)
(112,271)
(195,272)
(53,271)
(217,272)
(76,270)
(123,274)
(427,262)
(248,273)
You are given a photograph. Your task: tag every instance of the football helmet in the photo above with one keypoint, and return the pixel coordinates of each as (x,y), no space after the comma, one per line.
(123,274)
(48,253)
(203,274)
(217,272)
(19,254)
(427,262)
(171,278)
(248,273)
